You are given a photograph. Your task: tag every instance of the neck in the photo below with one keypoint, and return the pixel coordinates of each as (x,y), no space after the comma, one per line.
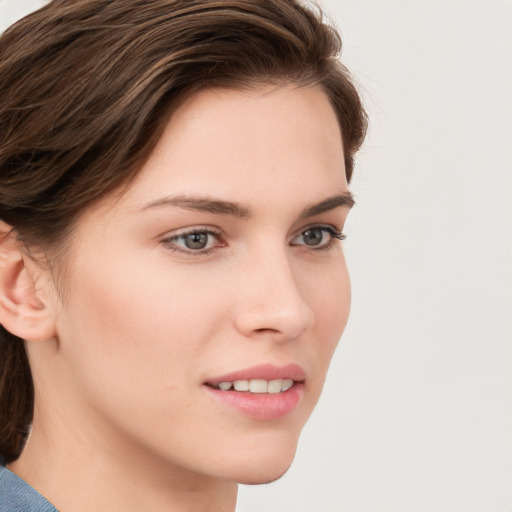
(76,472)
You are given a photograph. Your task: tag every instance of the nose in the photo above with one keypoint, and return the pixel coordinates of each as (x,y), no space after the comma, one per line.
(270,302)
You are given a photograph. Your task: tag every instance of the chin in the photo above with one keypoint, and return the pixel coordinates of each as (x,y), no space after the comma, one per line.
(266,464)
(264,477)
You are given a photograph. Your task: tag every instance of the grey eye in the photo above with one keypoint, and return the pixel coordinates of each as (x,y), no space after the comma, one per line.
(318,237)
(314,236)
(196,241)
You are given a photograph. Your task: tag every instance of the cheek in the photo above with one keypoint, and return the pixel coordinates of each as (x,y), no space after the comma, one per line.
(331,304)
(331,295)
(336,304)
(134,330)
(133,340)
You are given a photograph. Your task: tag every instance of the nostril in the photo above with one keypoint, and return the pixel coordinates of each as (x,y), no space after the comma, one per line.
(282,315)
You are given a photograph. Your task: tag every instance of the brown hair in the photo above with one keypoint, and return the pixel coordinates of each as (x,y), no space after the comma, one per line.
(86,88)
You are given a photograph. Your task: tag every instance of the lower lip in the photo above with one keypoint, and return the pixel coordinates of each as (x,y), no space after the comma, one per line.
(261,406)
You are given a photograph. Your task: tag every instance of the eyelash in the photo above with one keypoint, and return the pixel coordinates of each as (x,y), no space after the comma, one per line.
(195,231)
(334,233)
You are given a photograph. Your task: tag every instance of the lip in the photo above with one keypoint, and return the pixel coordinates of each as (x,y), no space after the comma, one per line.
(264,371)
(260,406)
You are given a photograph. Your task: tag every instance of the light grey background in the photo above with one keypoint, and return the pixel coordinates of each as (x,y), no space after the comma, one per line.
(416,415)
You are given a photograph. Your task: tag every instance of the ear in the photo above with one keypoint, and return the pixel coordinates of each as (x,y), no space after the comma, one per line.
(26,310)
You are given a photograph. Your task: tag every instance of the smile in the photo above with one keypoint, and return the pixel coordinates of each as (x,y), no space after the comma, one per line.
(264,392)
(257,385)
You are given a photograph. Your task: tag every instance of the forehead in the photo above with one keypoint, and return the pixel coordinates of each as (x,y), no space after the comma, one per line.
(230,139)
(255,147)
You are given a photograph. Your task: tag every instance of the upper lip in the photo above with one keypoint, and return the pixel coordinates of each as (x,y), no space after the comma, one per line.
(264,371)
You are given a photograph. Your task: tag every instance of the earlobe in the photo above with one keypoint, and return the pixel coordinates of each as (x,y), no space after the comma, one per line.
(24,309)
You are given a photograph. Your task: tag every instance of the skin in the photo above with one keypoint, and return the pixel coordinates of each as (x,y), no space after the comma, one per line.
(142,322)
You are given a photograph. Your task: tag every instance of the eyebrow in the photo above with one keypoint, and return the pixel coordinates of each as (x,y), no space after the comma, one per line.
(202,204)
(345,199)
(220,207)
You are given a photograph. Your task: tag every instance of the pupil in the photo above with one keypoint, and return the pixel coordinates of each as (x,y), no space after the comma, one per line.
(313,236)
(196,240)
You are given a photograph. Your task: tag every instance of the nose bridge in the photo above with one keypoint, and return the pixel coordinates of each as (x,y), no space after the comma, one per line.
(271,300)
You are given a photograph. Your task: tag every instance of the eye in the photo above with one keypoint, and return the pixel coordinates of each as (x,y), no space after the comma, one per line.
(318,237)
(195,241)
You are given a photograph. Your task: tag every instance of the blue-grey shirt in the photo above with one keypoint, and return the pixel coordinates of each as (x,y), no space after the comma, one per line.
(17,496)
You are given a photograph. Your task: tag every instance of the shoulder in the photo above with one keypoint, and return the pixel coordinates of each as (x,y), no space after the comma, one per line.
(18,496)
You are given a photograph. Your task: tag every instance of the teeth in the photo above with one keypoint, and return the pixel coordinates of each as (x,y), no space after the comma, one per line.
(287,384)
(258,385)
(241,385)
(275,386)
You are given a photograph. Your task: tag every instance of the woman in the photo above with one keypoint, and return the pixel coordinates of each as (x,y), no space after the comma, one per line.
(173,188)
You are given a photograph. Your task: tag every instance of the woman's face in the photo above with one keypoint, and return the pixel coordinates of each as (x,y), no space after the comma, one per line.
(220,265)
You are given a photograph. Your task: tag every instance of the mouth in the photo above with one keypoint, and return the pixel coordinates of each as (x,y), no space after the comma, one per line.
(256,385)
(264,392)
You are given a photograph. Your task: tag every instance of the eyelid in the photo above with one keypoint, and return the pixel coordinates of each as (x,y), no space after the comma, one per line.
(192,229)
(170,238)
(335,234)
